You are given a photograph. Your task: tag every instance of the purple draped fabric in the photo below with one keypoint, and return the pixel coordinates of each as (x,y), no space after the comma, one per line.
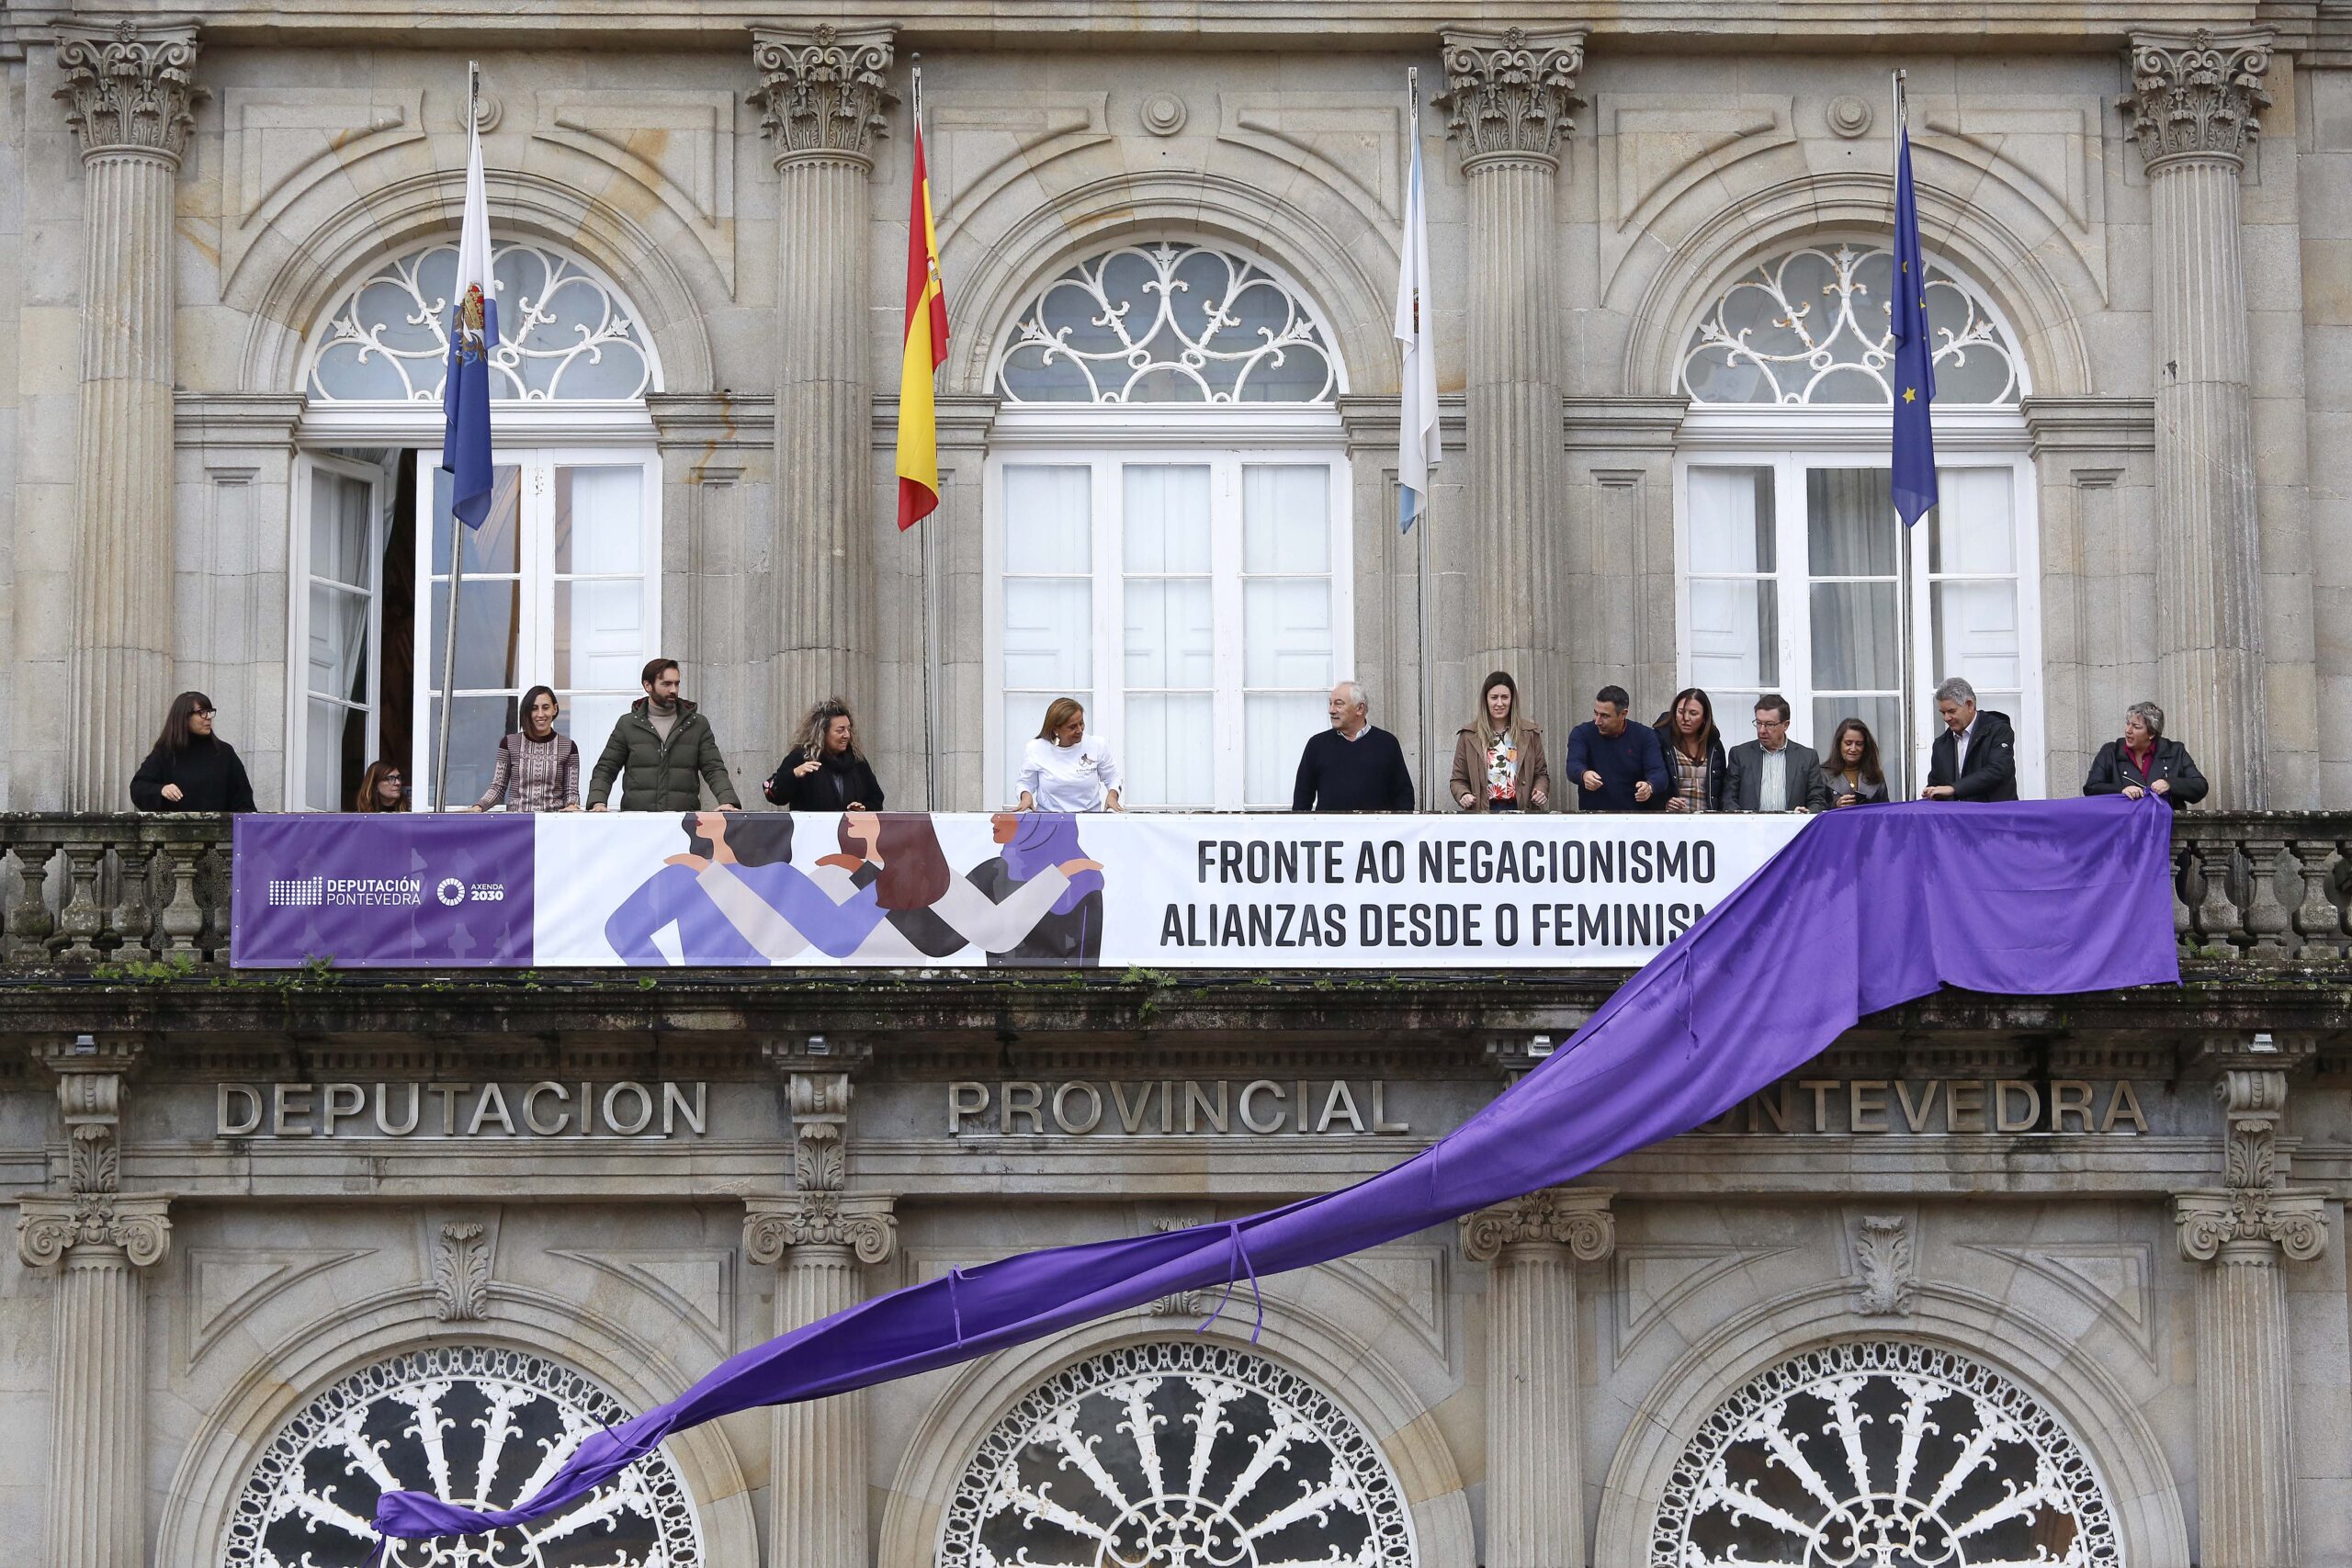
(1048,839)
(1863,910)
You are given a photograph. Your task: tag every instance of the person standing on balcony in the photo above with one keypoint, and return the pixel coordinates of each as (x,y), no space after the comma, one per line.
(381,788)
(825,771)
(662,753)
(1618,766)
(191,769)
(1773,773)
(1852,771)
(1499,762)
(1353,766)
(1976,756)
(1694,752)
(537,770)
(1064,769)
(2144,762)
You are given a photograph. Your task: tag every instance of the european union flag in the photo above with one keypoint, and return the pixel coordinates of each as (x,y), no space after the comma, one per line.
(473,333)
(1915,355)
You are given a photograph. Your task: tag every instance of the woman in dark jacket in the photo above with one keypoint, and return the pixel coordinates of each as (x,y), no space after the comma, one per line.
(1694,752)
(2144,762)
(1850,766)
(191,769)
(825,771)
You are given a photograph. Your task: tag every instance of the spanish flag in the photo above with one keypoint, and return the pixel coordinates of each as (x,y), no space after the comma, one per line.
(926,350)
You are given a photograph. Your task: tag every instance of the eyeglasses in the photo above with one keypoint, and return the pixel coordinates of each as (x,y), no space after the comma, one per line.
(204,713)
(390,778)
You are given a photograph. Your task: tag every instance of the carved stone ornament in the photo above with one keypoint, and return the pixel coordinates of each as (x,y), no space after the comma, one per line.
(819,1127)
(1890,1277)
(2257,1209)
(461,1272)
(822,89)
(2197,96)
(1511,92)
(138,1227)
(774,1226)
(130,88)
(1575,1217)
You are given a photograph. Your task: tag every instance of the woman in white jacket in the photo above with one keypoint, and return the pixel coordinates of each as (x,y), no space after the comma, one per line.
(1064,769)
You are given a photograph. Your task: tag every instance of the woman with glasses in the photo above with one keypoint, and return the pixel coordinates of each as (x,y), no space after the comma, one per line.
(537,770)
(381,788)
(825,771)
(191,769)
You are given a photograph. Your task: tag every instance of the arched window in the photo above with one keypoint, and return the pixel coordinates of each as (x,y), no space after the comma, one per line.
(560,588)
(1883,1452)
(1168,502)
(1177,1452)
(479,1425)
(1795,571)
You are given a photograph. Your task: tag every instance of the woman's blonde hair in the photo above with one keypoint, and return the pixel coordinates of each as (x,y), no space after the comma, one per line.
(811,740)
(1058,712)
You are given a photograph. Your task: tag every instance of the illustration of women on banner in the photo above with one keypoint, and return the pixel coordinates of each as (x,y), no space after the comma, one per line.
(735,863)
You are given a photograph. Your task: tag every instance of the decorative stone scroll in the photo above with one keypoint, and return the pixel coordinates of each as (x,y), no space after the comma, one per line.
(773,1227)
(822,90)
(136,1226)
(2198,96)
(130,88)
(2257,1207)
(1576,1218)
(1511,92)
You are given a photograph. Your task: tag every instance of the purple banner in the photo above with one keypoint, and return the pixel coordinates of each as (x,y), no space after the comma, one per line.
(402,890)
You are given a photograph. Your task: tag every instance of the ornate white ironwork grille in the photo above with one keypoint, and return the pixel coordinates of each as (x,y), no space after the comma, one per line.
(1168,323)
(1811,327)
(565,335)
(1176,1455)
(479,1425)
(1884,1454)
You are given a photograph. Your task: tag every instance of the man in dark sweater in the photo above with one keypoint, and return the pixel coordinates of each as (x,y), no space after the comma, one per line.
(1617,766)
(1351,766)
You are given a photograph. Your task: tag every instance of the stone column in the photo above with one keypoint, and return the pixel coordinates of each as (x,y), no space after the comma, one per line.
(2194,106)
(95,1237)
(128,95)
(1508,99)
(2245,1452)
(822,91)
(819,1238)
(1534,1428)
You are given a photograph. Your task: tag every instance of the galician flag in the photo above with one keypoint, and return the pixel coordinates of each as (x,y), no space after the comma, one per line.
(925,351)
(1913,468)
(1417,449)
(473,335)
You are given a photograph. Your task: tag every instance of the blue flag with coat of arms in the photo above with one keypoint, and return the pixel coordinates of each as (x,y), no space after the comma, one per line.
(473,335)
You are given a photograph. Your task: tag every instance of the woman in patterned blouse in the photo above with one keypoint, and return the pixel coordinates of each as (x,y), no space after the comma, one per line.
(538,768)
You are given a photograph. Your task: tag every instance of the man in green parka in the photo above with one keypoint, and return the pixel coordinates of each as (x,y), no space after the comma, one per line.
(663,752)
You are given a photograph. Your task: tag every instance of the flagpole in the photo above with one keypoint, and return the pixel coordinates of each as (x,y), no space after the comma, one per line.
(1429,496)
(923,546)
(1905,681)
(456,537)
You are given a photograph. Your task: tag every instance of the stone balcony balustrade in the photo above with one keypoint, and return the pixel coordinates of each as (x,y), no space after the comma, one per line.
(89,892)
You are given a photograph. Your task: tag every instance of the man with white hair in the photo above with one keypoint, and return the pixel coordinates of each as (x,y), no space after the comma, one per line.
(1353,766)
(1976,756)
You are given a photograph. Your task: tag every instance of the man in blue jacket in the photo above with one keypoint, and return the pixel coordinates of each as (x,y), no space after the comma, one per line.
(1617,766)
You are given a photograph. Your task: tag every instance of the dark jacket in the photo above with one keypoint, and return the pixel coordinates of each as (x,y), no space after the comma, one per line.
(1622,761)
(211,775)
(1470,769)
(1367,774)
(2114,769)
(1864,791)
(657,775)
(1807,789)
(840,780)
(1718,766)
(1989,771)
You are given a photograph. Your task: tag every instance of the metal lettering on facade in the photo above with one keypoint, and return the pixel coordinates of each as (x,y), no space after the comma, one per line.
(2004,1106)
(1174,1106)
(543,1109)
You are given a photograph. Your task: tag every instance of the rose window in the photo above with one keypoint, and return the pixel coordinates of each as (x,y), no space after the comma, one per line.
(1885,1455)
(1177,1455)
(481,1426)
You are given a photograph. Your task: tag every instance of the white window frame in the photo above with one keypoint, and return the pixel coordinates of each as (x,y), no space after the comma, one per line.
(535,563)
(298,617)
(1791,440)
(1225,439)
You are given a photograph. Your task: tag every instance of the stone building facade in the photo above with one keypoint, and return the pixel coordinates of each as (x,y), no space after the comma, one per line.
(2000,1278)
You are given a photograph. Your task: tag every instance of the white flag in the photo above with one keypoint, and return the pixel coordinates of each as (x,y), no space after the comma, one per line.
(1417,449)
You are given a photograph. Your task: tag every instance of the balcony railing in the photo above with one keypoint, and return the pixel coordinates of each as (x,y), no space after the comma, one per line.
(142,895)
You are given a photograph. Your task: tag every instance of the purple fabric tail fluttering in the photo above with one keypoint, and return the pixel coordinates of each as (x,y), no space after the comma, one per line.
(1865,909)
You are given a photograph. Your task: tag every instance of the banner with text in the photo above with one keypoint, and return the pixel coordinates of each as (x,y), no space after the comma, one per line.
(912,890)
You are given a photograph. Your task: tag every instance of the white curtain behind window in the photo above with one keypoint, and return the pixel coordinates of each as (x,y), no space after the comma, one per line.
(1288,659)
(1167,652)
(343,590)
(1048,599)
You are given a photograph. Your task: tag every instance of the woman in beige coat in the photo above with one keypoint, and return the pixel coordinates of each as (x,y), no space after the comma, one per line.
(1498,761)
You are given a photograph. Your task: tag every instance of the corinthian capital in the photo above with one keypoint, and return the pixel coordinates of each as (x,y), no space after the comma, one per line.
(1510,92)
(1576,1218)
(2197,97)
(773,1228)
(130,87)
(822,89)
(2215,1219)
(49,1228)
